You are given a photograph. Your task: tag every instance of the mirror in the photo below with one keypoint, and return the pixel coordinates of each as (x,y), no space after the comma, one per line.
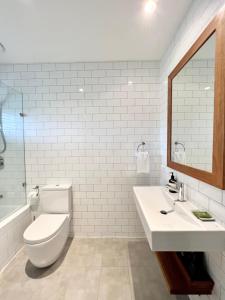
(196,108)
(193,108)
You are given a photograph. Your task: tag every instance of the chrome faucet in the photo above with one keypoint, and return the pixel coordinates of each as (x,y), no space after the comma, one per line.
(178,189)
(181,192)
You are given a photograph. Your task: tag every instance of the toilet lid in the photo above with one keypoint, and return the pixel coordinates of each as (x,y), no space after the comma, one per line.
(44,227)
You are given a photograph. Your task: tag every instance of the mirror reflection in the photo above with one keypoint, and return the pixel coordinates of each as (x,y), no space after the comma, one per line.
(193,108)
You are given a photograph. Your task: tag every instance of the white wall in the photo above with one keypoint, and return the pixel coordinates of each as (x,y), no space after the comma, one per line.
(90,138)
(204,195)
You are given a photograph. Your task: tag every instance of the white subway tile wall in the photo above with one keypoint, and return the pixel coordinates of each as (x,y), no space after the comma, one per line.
(84,122)
(203,195)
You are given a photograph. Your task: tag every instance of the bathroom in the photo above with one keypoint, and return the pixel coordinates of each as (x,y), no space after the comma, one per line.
(87,134)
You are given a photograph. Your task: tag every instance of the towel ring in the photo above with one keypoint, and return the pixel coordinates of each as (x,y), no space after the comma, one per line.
(178,143)
(142,144)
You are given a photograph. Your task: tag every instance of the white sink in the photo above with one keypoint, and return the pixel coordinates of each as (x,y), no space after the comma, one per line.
(179,230)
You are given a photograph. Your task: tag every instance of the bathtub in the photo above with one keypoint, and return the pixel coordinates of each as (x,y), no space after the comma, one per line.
(11,231)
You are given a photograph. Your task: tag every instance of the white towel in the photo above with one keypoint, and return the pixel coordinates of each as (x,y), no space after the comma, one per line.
(180,157)
(143,162)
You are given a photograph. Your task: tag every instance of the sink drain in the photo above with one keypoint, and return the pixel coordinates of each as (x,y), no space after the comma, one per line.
(165,212)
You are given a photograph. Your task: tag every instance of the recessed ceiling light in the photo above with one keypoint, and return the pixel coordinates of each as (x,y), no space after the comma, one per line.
(149,6)
(130,82)
(81,90)
(207,88)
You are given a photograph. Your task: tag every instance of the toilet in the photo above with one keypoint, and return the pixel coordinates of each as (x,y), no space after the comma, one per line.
(45,238)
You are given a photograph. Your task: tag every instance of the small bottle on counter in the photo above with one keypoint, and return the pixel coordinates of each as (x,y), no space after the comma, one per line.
(172,183)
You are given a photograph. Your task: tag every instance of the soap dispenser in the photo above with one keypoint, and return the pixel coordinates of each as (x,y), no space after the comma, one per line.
(172,181)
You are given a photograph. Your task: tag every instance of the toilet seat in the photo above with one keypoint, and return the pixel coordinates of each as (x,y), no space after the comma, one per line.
(44,228)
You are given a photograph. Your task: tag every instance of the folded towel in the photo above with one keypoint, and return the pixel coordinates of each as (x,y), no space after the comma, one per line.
(180,157)
(143,162)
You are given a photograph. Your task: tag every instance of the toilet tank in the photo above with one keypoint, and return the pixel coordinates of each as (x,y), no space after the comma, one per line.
(56,199)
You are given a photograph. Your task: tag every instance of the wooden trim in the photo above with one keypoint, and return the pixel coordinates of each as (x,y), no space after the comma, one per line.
(217,176)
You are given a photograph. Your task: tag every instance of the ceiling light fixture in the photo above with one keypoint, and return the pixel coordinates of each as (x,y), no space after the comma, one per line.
(81,90)
(207,88)
(149,6)
(130,82)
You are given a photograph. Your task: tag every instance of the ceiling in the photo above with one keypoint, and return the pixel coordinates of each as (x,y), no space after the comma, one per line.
(86,30)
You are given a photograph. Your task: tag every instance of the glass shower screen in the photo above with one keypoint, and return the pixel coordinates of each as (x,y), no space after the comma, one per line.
(12,162)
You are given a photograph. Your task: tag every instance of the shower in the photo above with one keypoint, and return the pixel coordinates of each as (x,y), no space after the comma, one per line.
(2,136)
(12,155)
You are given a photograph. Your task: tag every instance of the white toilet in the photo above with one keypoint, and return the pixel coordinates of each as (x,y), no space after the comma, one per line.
(45,238)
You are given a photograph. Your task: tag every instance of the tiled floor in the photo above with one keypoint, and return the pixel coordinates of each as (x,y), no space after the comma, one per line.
(89,269)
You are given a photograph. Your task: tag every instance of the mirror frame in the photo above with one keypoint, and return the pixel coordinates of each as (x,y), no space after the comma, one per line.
(217,176)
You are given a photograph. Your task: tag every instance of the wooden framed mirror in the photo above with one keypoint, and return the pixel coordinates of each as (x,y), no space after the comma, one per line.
(196,108)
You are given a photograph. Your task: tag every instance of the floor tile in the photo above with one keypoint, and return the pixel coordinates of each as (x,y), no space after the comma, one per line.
(89,269)
(114,284)
(140,254)
(148,284)
(82,284)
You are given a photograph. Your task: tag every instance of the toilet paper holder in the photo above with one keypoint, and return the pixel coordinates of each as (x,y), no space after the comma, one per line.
(33,197)
(36,188)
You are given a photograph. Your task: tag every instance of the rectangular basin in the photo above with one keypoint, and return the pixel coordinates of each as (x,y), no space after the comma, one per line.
(179,230)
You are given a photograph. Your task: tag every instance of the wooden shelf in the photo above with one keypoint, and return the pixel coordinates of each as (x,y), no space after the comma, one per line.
(178,279)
